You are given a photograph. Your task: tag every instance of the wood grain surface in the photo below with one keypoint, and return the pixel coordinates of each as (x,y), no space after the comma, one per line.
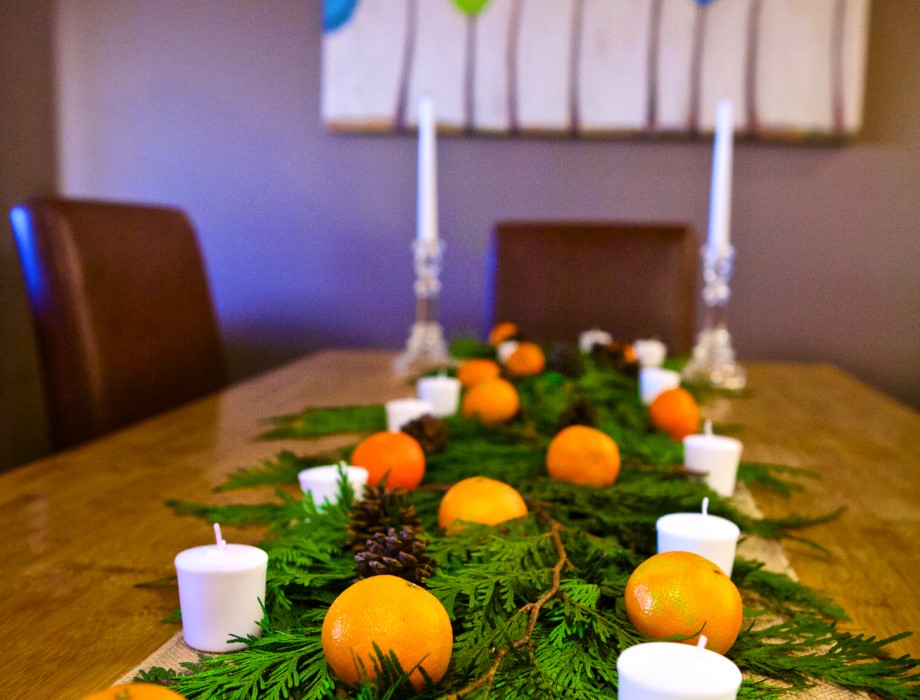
(81,529)
(865,446)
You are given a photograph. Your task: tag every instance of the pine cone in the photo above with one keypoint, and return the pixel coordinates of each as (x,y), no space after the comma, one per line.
(579,412)
(565,359)
(380,510)
(398,554)
(430,432)
(620,356)
(606,355)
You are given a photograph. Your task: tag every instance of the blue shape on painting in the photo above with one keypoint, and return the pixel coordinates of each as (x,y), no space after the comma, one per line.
(336,13)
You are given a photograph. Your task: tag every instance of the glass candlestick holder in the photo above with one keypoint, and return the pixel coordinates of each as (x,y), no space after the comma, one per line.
(426,348)
(713,360)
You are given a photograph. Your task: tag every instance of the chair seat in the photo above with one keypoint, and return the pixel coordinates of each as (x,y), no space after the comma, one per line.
(124,322)
(556,279)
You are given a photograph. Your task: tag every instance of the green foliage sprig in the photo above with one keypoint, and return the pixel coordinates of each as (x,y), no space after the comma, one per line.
(536,604)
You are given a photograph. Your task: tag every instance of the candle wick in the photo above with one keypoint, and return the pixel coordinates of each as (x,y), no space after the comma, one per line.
(708,426)
(221,542)
(701,644)
(706,505)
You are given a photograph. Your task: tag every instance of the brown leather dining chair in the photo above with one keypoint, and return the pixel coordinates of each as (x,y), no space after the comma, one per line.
(121,307)
(556,279)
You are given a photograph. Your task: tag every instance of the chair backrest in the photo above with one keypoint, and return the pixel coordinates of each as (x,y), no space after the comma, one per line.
(122,311)
(556,279)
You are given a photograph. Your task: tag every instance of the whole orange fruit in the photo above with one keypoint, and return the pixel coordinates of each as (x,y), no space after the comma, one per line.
(681,593)
(396,615)
(491,401)
(135,691)
(676,412)
(502,331)
(480,500)
(477,369)
(397,455)
(527,360)
(583,455)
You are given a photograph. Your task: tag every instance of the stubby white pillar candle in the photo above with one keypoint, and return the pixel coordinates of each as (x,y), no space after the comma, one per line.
(427,201)
(654,380)
(220,589)
(709,536)
(588,339)
(442,392)
(650,352)
(402,411)
(715,457)
(720,197)
(322,483)
(674,671)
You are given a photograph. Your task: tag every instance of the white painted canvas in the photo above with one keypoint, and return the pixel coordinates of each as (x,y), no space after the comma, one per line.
(792,68)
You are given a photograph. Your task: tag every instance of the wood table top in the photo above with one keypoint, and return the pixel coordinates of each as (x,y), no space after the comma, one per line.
(82,528)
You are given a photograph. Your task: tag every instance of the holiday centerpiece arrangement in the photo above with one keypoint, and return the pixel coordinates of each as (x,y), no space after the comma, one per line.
(506,536)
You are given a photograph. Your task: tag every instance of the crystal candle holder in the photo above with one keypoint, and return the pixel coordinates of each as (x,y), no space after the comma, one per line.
(713,360)
(426,348)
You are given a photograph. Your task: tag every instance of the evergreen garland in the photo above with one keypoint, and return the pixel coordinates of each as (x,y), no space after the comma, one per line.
(537,604)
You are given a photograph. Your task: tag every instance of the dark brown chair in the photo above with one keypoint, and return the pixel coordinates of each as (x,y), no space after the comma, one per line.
(556,279)
(122,312)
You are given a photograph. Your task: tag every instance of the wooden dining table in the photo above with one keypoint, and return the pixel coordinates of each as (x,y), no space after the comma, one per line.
(82,529)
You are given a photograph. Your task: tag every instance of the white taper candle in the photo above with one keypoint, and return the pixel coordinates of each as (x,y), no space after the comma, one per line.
(720,197)
(427,172)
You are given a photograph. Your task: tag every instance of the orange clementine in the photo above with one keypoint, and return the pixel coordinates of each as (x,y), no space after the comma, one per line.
(676,412)
(135,691)
(480,500)
(628,353)
(527,360)
(491,401)
(396,615)
(502,331)
(681,593)
(477,369)
(583,455)
(396,455)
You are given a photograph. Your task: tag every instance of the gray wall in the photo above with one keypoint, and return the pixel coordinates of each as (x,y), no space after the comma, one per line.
(214,106)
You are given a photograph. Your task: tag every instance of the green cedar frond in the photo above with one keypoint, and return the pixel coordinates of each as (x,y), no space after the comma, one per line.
(467,347)
(268,669)
(804,647)
(767,476)
(780,593)
(278,513)
(283,469)
(319,422)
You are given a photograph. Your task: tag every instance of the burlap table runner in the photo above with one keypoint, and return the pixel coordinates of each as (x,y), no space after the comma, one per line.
(175,651)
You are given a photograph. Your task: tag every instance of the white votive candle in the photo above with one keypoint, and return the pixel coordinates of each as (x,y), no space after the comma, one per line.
(322,483)
(442,392)
(715,457)
(709,536)
(654,380)
(650,352)
(505,350)
(588,339)
(220,589)
(402,411)
(673,671)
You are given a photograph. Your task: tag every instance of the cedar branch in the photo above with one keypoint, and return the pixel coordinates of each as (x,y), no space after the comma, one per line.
(533,609)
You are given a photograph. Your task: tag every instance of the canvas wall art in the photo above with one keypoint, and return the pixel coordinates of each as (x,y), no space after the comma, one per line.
(793,69)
